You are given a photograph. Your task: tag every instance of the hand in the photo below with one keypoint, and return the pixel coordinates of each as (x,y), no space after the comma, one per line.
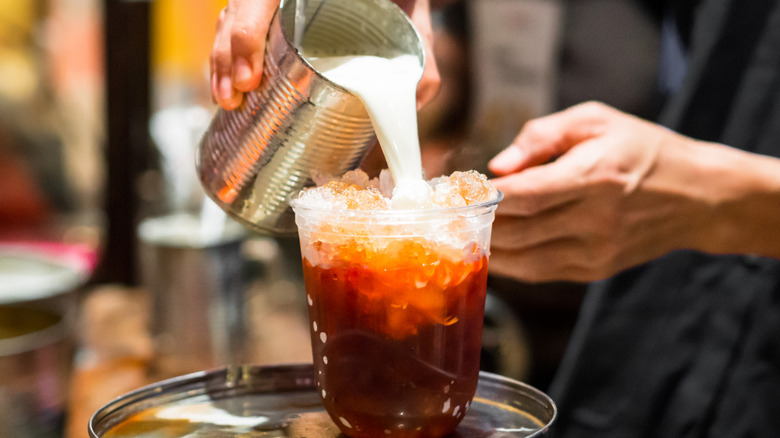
(420,13)
(591,191)
(236,61)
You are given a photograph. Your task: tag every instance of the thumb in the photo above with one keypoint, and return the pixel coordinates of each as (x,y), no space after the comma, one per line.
(512,159)
(549,137)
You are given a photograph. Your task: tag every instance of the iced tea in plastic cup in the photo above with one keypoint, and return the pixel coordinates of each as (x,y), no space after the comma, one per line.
(396,302)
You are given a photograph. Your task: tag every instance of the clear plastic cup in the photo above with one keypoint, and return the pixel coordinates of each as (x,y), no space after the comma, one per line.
(396,302)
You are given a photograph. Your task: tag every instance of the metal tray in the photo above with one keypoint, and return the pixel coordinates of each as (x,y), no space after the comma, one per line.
(281,401)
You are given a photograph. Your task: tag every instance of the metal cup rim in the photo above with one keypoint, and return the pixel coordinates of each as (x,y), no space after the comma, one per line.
(385,3)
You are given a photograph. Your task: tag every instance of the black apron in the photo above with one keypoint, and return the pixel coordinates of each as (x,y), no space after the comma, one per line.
(689,345)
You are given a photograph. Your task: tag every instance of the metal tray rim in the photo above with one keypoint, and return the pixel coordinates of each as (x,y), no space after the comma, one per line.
(236,379)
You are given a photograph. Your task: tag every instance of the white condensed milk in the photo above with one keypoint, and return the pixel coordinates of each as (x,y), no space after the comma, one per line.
(387,87)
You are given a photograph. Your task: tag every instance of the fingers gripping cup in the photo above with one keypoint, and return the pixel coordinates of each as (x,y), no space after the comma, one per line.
(252,158)
(396,301)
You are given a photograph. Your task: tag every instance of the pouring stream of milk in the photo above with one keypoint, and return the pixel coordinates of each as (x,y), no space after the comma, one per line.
(388,89)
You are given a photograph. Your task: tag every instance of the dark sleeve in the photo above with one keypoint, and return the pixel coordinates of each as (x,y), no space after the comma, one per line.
(683,11)
(731,93)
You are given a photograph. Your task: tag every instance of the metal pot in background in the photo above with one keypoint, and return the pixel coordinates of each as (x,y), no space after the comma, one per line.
(36,353)
(43,275)
(195,278)
(252,158)
(39,282)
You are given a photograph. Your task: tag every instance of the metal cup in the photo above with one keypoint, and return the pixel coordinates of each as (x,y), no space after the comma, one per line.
(252,158)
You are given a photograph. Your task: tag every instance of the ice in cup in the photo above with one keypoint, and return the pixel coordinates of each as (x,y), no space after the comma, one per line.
(396,301)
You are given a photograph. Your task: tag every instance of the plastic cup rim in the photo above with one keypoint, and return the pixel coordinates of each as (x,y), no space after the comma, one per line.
(393,213)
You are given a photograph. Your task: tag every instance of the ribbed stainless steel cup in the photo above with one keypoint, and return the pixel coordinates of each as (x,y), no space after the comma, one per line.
(296,122)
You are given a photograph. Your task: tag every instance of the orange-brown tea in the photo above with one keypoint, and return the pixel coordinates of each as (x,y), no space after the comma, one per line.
(392,358)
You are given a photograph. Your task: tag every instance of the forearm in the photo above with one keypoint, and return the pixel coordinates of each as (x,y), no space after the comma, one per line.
(745,218)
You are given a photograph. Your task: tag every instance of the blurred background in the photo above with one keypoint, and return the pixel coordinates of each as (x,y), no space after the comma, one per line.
(114,269)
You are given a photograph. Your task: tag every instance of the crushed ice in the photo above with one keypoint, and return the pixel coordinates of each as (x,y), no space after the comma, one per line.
(356,191)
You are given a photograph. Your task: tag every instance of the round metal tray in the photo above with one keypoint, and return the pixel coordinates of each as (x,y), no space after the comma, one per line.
(281,401)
